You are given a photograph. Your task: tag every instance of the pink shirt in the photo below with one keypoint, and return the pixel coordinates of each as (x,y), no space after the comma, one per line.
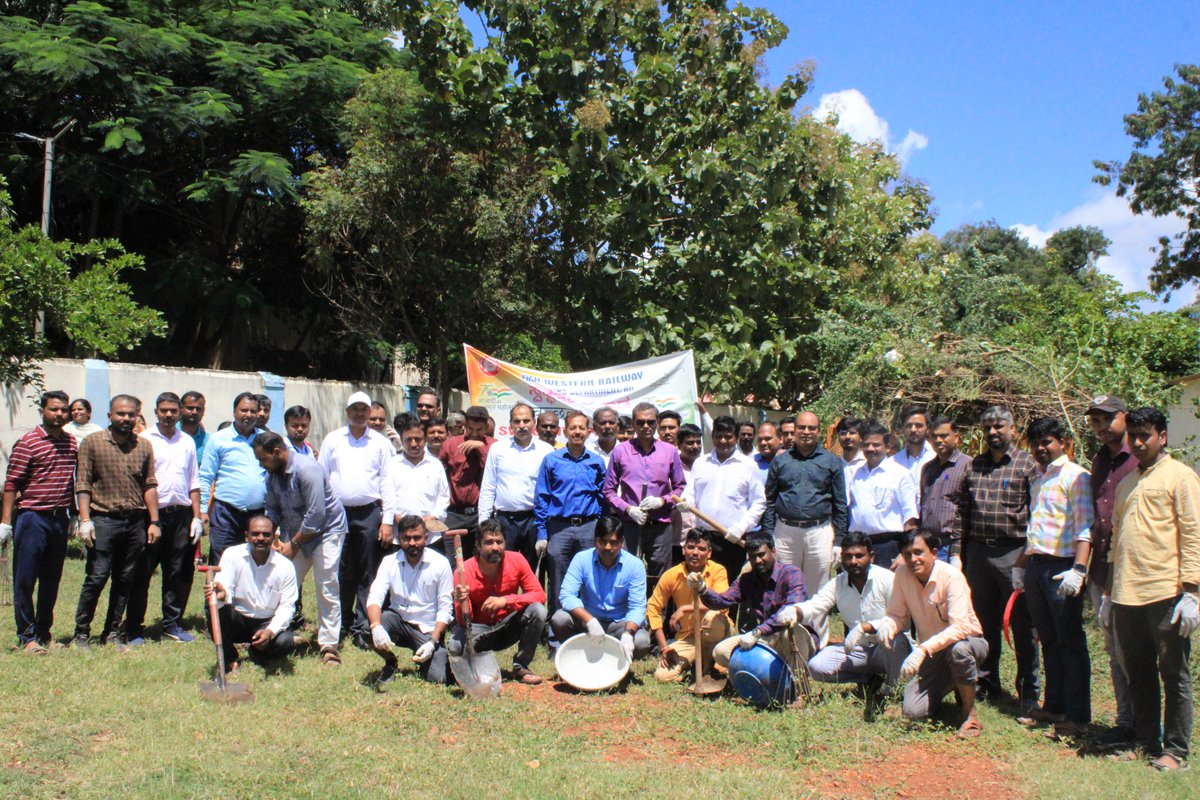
(941,609)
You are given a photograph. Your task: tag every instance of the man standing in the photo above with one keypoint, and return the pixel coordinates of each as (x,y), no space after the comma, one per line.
(507,603)
(241,485)
(436,434)
(934,597)
(691,445)
(1153,605)
(509,479)
(668,427)
(547,428)
(642,485)
(311,524)
(296,422)
(464,458)
(941,487)
(914,424)
(849,434)
(42,469)
(428,407)
(604,592)
(768,448)
(806,510)
(1112,462)
(357,460)
(418,585)
(191,419)
(605,422)
(179,511)
(883,497)
(745,432)
(680,654)
(725,487)
(256,593)
(1051,571)
(115,489)
(568,499)
(993,516)
(264,411)
(377,420)
(787,432)
(418,483)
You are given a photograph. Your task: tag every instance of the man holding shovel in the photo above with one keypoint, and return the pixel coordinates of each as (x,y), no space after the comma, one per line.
(508,605)
(679,655)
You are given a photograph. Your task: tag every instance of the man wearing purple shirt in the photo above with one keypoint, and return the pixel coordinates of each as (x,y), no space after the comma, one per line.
(643,482)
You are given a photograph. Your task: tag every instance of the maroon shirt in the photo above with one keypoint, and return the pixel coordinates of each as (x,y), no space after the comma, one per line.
(42,469)
(465,472)
(1107,472)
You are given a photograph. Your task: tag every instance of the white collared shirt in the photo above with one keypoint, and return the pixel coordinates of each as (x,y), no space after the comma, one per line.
(882,499)
(729,491)
(174,466)
(420,489)
(854,607)
(510,476)
(420,594)
(593,444)
(359,468)
(259,592)
(914,463)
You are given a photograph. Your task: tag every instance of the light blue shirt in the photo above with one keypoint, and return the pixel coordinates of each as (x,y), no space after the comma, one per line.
(608,594)
(229,460)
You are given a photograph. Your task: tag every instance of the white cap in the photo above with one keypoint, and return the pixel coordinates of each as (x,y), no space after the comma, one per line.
(358,397)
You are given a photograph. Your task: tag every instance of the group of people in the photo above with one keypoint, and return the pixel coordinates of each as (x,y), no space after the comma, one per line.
(926,554)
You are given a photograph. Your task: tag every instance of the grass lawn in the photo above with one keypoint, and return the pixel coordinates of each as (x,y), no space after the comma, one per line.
(102,724)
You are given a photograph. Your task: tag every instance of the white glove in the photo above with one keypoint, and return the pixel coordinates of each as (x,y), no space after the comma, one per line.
(911,665)
(196,530)
(1072,583)
(540,547)
(1104,613)
(424,652)
(695,582)
(627,646)
(836,558)
(87,532)
(1018,579)
(734,534)
(650,503)
(854,637)
(638,515)
(379,636)
(747,640)
(5,533)
(684,506)
(887,634)
(788,615)
(956,562)
(1187,614)
(595,629)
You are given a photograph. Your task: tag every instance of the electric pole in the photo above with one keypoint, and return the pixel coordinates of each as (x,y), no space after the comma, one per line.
(47,187)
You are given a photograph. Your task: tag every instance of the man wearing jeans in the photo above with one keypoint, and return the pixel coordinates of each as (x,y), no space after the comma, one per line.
(240,484)
(116,490)
(1153,605)
(806,509)
(312,526)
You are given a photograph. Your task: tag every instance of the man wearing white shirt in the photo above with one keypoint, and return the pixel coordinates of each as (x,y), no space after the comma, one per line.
(849,434)
(418,584)
(605,423)
(883,498)
(859,593)
(179,513)
(724,485)
(917,452)
(509,478)
(358,462)
(256,591)
(419,483)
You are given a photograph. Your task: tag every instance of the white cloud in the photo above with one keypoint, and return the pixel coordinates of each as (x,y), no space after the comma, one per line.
(1133,236)
(858,120)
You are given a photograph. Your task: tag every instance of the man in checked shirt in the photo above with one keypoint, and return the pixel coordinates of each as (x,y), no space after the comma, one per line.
(993,516)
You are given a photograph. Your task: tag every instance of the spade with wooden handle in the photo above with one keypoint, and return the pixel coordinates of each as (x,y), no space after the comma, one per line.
(704,684)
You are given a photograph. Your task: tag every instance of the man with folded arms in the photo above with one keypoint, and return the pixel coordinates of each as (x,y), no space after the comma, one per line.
(507,603)
(883,497)
(256,593)
(941,486)
(935,597)
(676,657)
(509,479)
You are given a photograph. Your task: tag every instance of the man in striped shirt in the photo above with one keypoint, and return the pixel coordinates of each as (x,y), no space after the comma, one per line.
(42,470)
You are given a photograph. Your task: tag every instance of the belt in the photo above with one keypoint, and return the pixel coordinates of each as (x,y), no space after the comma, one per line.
(234,509)
(999,541)
(174,509)
(130,514)
(372,504)
(574,521)
(880,538)
(464,509)
(1045,557)
(517,514)
(803,523)
(52,512)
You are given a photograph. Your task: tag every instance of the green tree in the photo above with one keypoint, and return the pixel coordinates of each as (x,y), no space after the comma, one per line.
(1162,175)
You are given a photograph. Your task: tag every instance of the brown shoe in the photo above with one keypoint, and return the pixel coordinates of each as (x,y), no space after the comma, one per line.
(971,729)
(1067,730)
(1039,716)
(35,648)
(526,676)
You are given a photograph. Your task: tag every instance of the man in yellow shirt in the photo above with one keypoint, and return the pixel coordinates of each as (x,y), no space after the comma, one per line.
(678,656)
(1152,603)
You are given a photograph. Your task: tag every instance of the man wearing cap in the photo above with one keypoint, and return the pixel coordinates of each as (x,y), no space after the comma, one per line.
(358,462)
(241,486)
(464,458)
(1112,462)
(676,657)
(509,479)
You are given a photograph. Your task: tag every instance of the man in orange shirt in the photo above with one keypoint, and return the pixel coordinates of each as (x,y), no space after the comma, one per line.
(676,657)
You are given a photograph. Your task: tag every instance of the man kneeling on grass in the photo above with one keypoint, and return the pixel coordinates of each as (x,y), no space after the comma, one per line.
(679,655)
(508,605)
(256,595)
(934,596)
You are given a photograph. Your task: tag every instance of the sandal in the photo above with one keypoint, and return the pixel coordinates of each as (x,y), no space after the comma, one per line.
(527,677)
(35,648)
(330,655)
(970,729)
(1169,763)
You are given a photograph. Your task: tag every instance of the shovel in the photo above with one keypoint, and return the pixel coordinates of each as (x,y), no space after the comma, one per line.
(219,690)
(478,674)
(6,588)
(705,684)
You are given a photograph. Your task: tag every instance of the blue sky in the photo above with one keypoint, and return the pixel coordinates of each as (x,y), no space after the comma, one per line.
(1003,106)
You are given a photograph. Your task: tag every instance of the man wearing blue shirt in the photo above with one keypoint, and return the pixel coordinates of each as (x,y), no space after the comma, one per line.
(241,491)
(604,592)
(567,502)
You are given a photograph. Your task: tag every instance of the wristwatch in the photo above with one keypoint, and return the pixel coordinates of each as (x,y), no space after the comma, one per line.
(1080,568)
